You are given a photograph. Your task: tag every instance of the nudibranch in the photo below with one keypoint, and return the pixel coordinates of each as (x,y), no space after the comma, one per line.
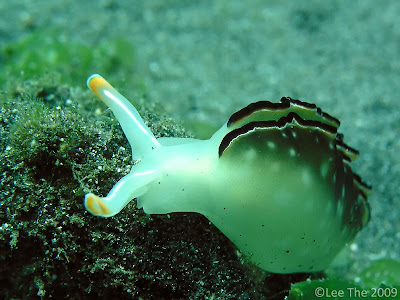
(275,179)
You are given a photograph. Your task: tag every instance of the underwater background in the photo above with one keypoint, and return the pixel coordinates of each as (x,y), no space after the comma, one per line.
(187,66)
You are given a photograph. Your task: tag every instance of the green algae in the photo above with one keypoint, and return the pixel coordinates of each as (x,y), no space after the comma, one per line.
(49,51)
(340,289)
(386,271)
(378,281)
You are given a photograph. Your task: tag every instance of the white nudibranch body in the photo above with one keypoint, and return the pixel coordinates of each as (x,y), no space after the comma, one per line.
(275,179)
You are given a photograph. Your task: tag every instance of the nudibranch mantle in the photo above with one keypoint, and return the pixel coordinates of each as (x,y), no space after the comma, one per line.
(275,179)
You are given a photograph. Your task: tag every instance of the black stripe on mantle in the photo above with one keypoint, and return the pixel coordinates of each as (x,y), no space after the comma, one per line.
(284,104)
(282,122)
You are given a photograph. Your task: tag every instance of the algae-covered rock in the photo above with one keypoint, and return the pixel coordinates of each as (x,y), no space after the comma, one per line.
(53,153)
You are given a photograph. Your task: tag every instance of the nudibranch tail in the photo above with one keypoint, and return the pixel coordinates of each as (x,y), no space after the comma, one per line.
(136,131)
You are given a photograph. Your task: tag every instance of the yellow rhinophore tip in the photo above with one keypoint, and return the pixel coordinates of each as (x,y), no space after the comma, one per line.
(97,83)
(96,206)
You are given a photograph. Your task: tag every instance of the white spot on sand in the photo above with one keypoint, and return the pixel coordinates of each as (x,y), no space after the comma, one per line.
(354,247)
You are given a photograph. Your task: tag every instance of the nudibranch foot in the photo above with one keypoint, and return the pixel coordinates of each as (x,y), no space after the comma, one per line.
(275,179)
